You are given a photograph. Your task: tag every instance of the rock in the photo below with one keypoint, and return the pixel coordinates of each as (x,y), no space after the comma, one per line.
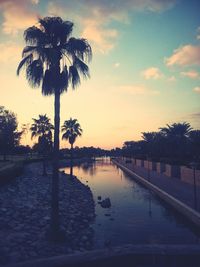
(106,203)
(99,197)
(84,238)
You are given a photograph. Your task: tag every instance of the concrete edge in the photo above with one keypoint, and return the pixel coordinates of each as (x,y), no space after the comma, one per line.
(113,254)
(182,208)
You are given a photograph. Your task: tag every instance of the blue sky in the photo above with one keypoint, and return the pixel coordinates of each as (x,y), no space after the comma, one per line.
(145,70)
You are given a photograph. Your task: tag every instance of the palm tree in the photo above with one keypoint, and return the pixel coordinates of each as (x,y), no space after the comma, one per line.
(177,137)
(42,128)
(71,130)
(54,60)
(180,130)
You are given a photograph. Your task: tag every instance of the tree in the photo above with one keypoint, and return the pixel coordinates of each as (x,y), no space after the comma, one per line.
(194,141)
(9,136)
(55,60)
(176,138)
(42,128)
(71,130)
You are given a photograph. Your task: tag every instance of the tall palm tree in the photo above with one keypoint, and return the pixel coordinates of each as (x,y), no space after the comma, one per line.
(54,60)
(71,130)
(42,128)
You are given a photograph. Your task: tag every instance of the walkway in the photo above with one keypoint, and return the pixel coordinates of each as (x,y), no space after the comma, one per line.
(173,186)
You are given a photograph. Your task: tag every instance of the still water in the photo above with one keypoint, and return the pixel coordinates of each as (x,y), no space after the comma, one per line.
(136,215)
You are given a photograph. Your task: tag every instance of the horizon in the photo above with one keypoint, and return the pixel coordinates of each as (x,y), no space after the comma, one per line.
(145,71)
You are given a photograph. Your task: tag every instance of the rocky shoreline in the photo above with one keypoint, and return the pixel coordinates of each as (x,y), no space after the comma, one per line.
(25,216)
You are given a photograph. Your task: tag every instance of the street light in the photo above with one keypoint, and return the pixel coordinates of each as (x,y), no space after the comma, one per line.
(194,165)
(148,170)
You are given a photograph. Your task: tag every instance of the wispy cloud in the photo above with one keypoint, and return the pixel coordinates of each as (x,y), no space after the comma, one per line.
(172,79)
(185,56)
(193,74)
(116,65)
(198,33)
(17,15)
(138,90)
(195,115)
(104,39)
(95,17)
(197,89)
(152,73)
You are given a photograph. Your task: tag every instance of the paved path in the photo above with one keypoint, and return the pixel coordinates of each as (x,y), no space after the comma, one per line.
(173,186)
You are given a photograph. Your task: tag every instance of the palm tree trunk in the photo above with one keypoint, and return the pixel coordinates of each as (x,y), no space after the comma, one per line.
(55,179)
(71,161)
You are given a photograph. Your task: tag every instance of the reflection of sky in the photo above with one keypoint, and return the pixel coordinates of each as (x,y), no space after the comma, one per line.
(136,216)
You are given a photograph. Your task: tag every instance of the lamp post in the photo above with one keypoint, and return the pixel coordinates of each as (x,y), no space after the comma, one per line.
(194,165)
(148,170)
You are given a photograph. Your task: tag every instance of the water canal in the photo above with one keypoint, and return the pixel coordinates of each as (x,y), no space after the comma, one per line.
(136,215)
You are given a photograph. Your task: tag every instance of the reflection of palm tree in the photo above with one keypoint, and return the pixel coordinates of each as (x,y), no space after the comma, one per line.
(71,130)
(55,60)
(42,128)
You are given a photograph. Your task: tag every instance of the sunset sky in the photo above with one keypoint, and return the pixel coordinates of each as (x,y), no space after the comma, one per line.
(145,70)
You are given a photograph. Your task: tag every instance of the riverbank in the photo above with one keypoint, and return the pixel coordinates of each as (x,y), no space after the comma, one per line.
(174,192)
(25,216)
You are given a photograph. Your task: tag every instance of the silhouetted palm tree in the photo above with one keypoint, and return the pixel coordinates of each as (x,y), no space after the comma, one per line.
(194,139)
(72,130)
(180,130)
(55,60)
(176,138)
(42,128)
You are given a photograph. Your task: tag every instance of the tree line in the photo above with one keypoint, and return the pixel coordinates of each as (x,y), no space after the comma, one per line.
(177,143)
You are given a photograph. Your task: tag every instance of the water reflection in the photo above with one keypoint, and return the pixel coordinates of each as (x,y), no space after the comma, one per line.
(136,215)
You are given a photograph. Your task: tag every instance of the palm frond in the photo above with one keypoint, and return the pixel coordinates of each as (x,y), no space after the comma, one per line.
(80,48)
(47,83)
(74,76)
(34,73)
(82,67)
(24,62)
(34,36)
(63,81)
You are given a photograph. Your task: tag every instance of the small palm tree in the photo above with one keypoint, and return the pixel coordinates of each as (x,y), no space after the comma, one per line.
(55,60)
(71,130)
(42,128)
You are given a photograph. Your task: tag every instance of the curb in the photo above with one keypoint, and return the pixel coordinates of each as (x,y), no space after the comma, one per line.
(182,208)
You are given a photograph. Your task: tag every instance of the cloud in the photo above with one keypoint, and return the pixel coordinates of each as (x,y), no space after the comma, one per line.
(17,15)
(117,65)
(191,74)
(185,56)
(152,73)
(197,89)
(195,115)
(138,90)
(10,52)
(95,17)
(104,39)
(198,33)
(172,79)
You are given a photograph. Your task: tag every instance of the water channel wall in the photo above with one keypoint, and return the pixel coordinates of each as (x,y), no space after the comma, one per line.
(183,173)
(125,256)
(192,215)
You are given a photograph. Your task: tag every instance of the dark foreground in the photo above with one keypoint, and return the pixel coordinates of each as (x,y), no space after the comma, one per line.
(25,217)
(127,256)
